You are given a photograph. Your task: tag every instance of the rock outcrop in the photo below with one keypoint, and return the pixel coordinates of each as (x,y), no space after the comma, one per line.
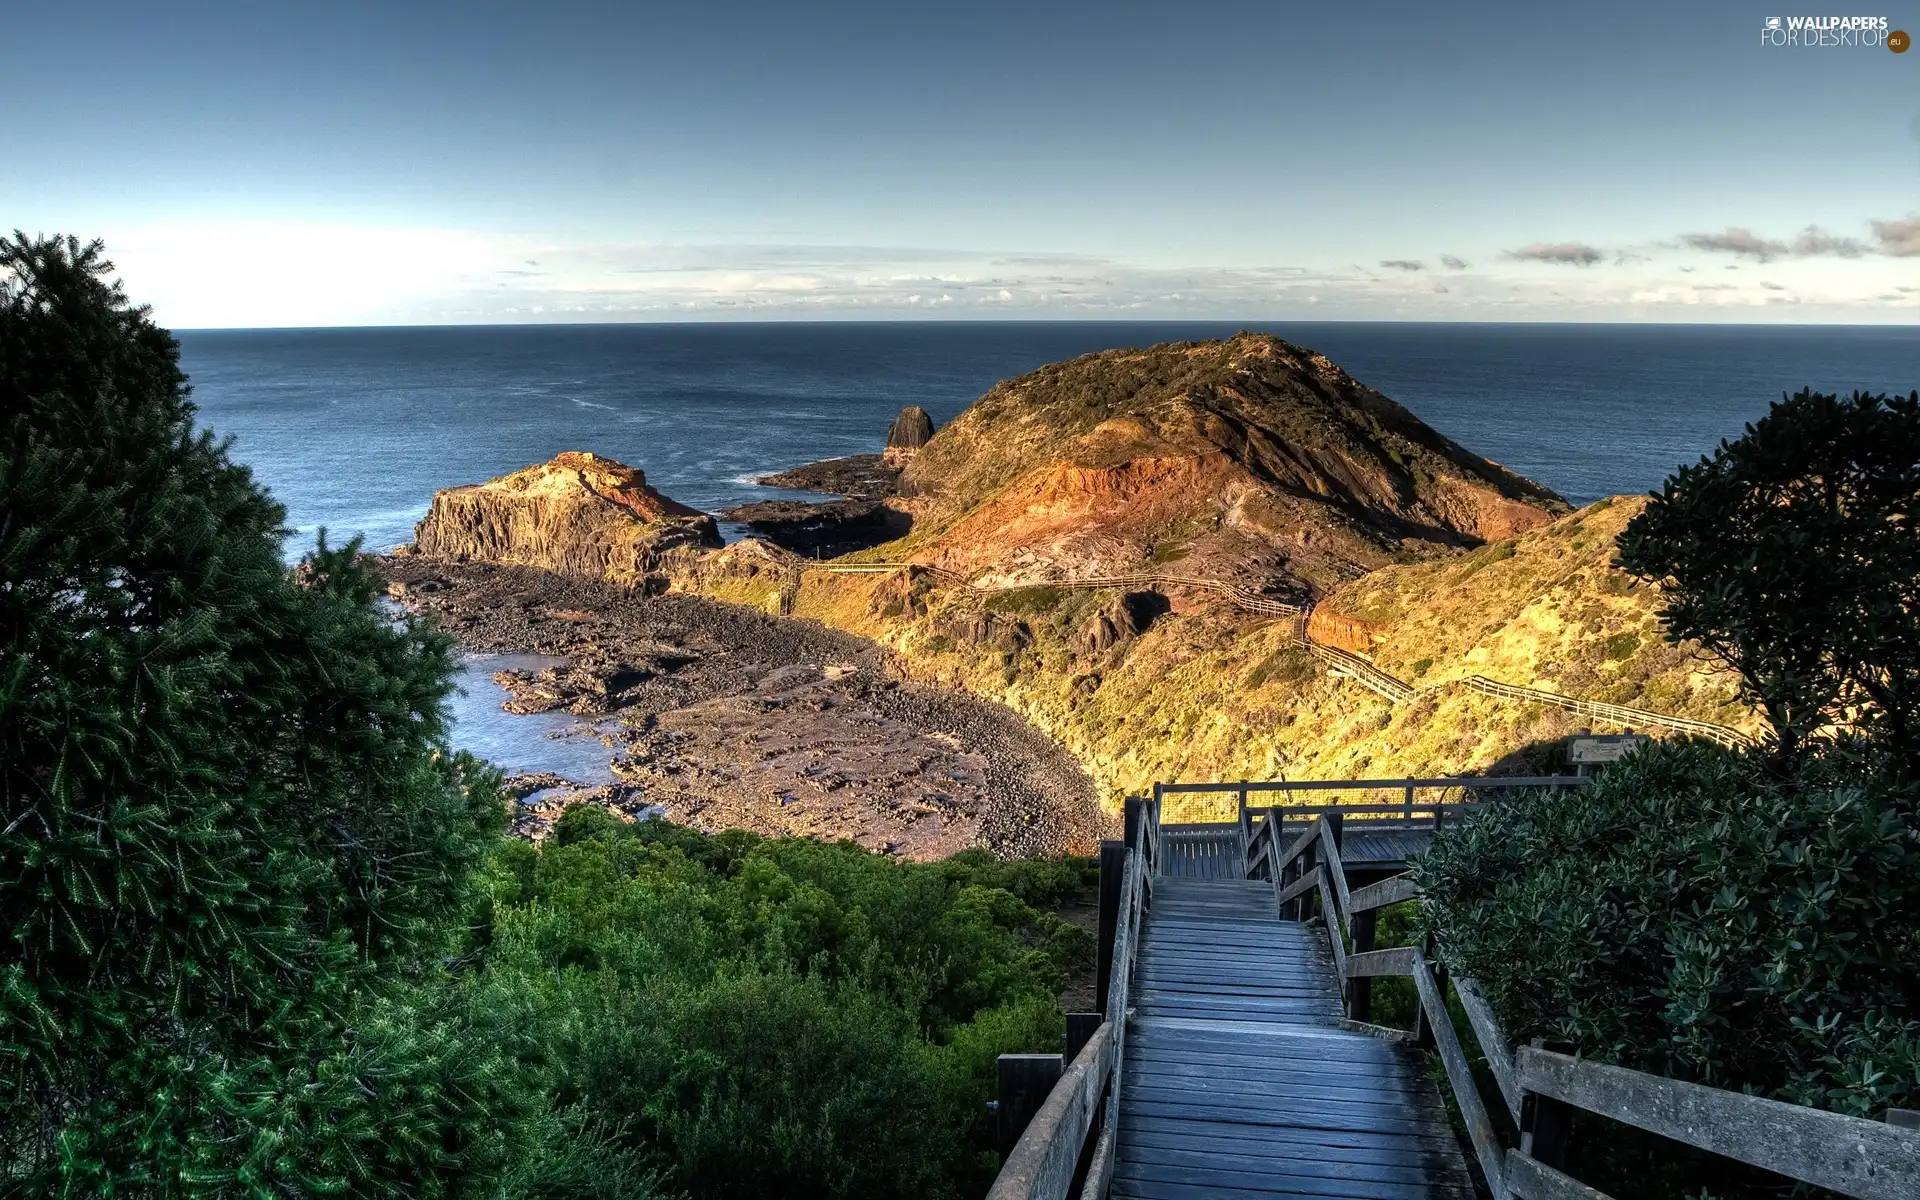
(579,514)
(910,430)
(1249,458)
(1122,619)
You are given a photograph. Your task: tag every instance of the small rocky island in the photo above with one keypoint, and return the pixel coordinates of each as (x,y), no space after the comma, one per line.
(866,484)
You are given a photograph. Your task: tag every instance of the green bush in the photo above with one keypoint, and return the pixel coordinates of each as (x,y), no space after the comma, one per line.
(1793,555)
(781,1017)
(1693,915)
(1027,601)
(234,840)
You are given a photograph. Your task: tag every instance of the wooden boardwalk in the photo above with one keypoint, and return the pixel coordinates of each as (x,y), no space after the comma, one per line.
(1239,1080)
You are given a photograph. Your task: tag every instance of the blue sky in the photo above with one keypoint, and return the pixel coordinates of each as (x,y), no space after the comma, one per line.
(340,163)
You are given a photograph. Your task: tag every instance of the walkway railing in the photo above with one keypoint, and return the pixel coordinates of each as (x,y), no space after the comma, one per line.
(1070,1139)
(1396,804)
(1865,1159)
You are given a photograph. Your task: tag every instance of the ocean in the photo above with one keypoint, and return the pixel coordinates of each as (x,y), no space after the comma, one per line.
(354,429)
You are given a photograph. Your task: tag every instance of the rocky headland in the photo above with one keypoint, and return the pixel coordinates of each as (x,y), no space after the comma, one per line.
(1248,461)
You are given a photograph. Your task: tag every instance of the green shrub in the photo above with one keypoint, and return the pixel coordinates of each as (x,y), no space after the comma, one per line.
(1620,646)
(1793,555)
(781,1017)
(1692,915)
(1027,601)
(235,842)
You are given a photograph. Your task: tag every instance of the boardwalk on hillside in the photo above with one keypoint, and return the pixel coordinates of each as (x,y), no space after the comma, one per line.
(1238,1079)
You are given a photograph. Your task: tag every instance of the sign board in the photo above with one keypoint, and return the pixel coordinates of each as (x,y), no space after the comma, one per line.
(1593,751)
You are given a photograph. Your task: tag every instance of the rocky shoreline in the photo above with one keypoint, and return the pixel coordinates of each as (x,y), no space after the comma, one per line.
(724,718)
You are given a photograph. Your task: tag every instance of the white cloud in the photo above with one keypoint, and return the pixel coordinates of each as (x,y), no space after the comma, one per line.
(314,274)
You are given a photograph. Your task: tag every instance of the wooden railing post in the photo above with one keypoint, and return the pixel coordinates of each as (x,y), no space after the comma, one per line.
(1407,806)
(1025,1080)
(1336,823)
(1304,864)
(1422,1026)
(1360,988)
(1544,1122)
(1080,1031)
(1113,871)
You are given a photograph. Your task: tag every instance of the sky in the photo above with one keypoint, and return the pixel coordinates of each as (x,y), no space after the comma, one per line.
(338,163)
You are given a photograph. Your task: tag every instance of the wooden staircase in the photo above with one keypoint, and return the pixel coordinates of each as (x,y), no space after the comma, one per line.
(1239,1080)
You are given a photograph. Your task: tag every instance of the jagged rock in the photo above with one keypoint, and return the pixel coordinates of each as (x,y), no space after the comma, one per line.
(579,514)
(527,783)
(588,691)
(903,593)
(912,429)
(857,477)
(997,631)
(1121,619)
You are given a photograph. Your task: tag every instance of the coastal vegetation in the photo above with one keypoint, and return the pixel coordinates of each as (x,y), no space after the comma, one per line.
(780,1017)
(1746,919)
(265,935)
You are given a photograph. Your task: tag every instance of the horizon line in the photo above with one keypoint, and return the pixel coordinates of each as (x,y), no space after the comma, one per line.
(1247,323)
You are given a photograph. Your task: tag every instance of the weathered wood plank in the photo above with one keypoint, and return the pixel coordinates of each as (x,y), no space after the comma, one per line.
(1300,1178)
(1336,936)
(1391,890)
(1298,845)
(1299,887)
(1530,1180)
(1864,1159)
(1100,1170)
(1334,868)
(1374,964)
(1486,1143)
(1493,1041)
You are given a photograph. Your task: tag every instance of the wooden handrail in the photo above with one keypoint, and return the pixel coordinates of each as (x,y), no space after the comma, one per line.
(1867,1160)
(1464,782)
(1043,1162)
(1855,1157)
(1086,1101)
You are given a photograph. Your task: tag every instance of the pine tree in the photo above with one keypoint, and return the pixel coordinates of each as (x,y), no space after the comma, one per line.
(232,838)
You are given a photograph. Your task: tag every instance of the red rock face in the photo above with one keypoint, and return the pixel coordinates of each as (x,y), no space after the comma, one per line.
(579,514)
(1248,458)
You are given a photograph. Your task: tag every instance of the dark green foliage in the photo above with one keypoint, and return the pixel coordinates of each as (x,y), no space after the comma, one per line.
(1620,646)
(229,831)
(1027,601)
(1693,915)
(781,1017)
(1793,554)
